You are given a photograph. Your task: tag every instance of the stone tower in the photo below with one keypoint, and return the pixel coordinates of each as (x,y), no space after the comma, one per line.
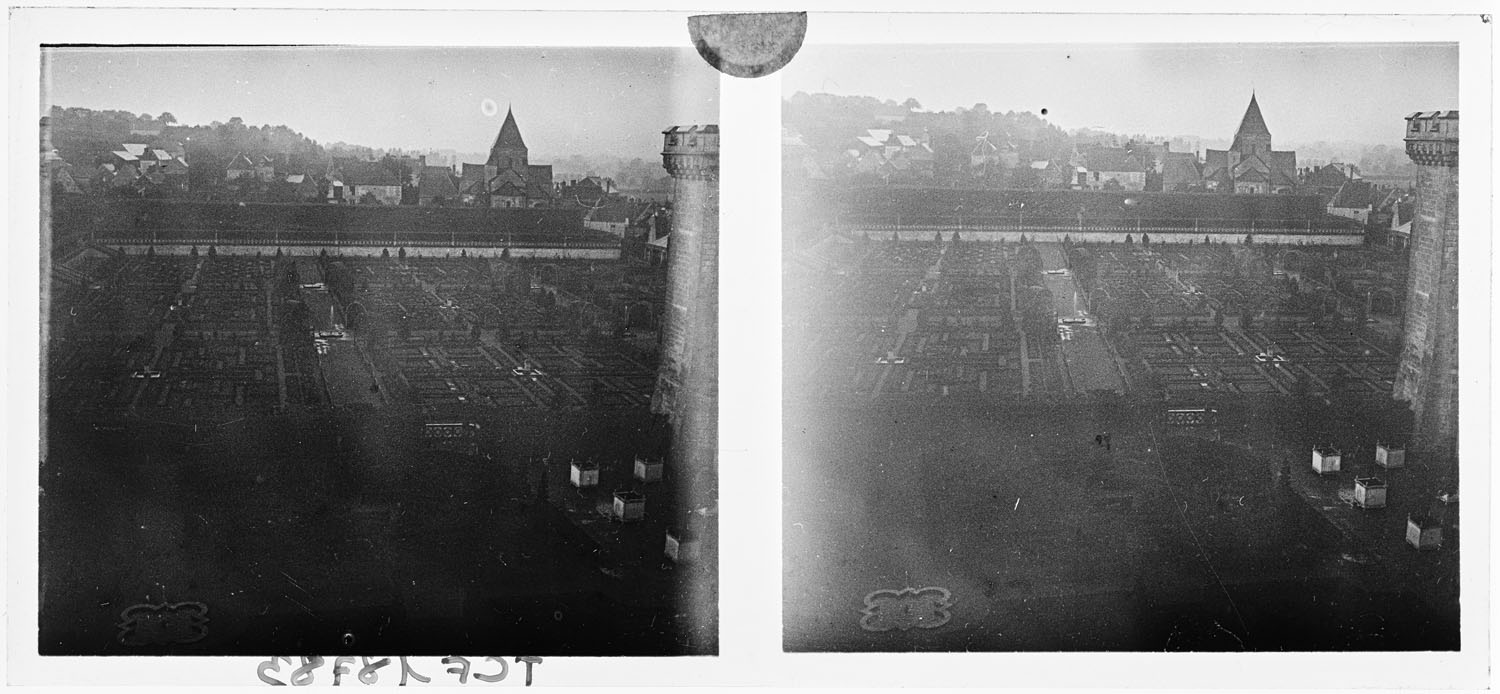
(509,151)
(687,382)
(1252,137)
(1428,374)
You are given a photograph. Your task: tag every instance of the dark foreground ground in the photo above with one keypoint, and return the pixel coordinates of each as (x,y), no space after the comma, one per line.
(340,534)
(1177,539)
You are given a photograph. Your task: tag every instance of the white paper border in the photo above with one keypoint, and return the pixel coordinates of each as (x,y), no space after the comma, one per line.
(750,348)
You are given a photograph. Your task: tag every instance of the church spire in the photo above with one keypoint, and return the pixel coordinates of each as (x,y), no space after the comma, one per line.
(508,142)
(1252,128)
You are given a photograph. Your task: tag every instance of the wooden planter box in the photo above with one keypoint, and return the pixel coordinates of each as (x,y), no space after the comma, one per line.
(1423,532)
(1390,457)
(682,547)
(629,507)
(1369,492)
(584,474)
(1326,460)
(649,469)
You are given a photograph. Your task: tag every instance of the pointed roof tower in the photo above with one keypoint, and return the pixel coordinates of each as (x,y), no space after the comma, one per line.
(1252,127)
(508,139)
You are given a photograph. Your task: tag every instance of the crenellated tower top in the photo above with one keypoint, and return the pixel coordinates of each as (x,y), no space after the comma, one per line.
(691,151)
(1432,138)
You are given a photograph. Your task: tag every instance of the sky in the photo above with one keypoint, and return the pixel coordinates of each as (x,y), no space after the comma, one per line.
(613,101)
(1307,92)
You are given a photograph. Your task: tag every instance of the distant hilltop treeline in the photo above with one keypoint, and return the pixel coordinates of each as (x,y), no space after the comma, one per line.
(825,122)
(85,137)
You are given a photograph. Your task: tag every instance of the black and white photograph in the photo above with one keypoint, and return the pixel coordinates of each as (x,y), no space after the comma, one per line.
(1121,347)
(368,349)
(1064,346)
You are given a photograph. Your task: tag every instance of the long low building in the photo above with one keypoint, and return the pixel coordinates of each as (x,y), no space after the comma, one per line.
(168,226)
(1089,215)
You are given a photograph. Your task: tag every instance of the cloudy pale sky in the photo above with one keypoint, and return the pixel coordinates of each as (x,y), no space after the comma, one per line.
(1307,92)
(612,101)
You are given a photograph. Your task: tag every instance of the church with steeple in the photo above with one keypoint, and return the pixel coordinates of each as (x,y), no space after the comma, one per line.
(507,178)
(1250,165)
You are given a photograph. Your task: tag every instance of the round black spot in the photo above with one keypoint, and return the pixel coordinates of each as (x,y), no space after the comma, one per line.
(1044,111)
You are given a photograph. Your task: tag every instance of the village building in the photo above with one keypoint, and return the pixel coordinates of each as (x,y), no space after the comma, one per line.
(1250,165)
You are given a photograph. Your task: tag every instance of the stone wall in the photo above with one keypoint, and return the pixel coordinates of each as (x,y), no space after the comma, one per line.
(1428,374)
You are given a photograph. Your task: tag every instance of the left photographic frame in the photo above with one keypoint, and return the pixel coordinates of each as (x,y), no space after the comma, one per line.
(448,389)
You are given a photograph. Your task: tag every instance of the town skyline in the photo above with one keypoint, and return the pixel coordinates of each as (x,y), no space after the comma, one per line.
(616,104)
(1310,93)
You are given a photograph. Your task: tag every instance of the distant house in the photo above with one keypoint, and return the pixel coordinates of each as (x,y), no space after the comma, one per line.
(1401,218)
(798,161)
(1181,172)
(1108,167)
(1354,200)
(1325,181)
(587,191)
(435,186)
(240,167)
(265,169)
(58,174)
(303,186)
(612,217)
(474,186)
(891,156)
(122,158)
(362,179)
(655,223)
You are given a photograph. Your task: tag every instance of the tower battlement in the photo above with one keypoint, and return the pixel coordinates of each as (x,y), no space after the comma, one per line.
(691,151)
(1428,373)
(1432,138)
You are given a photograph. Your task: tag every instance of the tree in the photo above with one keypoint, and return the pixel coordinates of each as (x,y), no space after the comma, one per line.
(1129,239)
(166,118)
(401,253)
(911,104)
(385,253)
(1249,239)
(1145,239)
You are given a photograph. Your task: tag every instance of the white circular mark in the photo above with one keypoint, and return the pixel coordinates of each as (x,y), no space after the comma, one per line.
(488,107)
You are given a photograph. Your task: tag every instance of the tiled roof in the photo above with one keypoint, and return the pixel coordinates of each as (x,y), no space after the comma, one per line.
(1356,195)
(1253,123)
(509,138)
(1113,159)
(369,174)
(437,182)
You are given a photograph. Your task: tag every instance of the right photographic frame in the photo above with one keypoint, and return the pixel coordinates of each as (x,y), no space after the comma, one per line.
(1119,346)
